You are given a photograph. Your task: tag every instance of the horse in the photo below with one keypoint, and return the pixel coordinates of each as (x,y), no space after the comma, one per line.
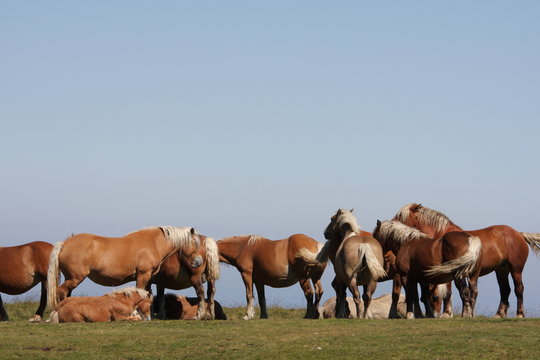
(504,250)
(421,259)
(185,308)
(357,258)
(276,263)
(175,274)
(119,305)
(21,268)
(115,261)
(378,309)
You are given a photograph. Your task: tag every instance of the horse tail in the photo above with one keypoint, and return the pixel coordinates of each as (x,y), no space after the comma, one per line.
(463,265)
(53,275)
(533,239)
(212,259)
(373,264)
(314,258)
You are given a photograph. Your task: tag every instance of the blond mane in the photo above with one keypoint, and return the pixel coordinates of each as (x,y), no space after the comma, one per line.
(425,215)
(347,217)
(180,237)
(254,239)
(394,231)
(130,291)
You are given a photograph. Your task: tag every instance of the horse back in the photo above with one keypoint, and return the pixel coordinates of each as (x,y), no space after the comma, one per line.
(501,244)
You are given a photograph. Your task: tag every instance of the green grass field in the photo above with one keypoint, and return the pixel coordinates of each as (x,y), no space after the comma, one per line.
(284,336)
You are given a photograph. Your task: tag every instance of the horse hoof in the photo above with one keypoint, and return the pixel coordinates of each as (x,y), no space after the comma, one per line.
(410,315)
(35,318)
(444,316)
(520,316)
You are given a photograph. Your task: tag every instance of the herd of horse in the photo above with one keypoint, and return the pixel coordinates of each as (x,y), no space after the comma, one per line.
(419,246)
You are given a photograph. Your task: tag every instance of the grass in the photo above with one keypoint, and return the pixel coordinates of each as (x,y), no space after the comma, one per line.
(285,336)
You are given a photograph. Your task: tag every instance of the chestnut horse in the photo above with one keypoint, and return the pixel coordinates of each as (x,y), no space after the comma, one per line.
(278,263)
(357,258)
(422,260)
(504,249)
(176,274)
(21,268)
(116,306)
(115,261)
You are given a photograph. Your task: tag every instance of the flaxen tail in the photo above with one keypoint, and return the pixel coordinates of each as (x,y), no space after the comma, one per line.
(212,259)
(375,267)
(533,239)
(53,276)
(314,258)
(462,266)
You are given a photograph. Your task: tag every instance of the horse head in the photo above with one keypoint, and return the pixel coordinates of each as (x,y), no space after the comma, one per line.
(192,251)
(339,223)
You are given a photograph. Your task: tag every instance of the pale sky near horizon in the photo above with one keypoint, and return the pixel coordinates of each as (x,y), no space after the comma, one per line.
(246,117)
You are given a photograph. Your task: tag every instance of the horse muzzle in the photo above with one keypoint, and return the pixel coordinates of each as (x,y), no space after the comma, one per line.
(197,262)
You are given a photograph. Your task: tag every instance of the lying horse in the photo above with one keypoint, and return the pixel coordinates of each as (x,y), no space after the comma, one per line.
(116,306)
(378,309)
(176,274)
(420,259)
(21,268)
(115,261)
(504,249)
(185,308)
(357,258)
(279,263)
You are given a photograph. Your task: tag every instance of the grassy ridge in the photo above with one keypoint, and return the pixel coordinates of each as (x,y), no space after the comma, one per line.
(285,335)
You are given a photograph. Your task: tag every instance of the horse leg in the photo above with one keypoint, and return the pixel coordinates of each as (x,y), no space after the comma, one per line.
(68,285)
(196,281)
(262,300)
(248,282)
(353,288)
(504,289)
(318,294)
(210,293)
(410,295)
(159,302)
(396,291)
(518,290)
(3,313)
(42,303)
(448,311)
(465,294)
(311,310)
(473,288)
(369,289)
(426,300)
(416,301)
(342,308)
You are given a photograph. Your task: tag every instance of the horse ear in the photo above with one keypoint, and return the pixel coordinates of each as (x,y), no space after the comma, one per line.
(192,231)
(416,207)
(379,223)
(352,209)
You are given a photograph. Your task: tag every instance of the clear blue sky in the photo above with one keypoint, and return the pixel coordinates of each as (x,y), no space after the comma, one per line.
(244,117)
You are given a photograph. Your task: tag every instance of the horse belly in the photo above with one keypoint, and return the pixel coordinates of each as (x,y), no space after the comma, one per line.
(110,280)
(276,276)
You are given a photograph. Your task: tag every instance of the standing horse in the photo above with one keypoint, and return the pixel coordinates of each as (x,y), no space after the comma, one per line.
(21,268)
(116,306)
(115,261)
(357,258)
(279,263)
(176,274)
(504,250)
(420,259)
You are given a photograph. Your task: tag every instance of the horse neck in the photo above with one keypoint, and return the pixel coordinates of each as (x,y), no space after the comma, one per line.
(434,233)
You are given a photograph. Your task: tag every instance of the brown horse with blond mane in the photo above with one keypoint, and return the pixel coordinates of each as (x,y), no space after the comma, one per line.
(177,274)
(504,250)
(116,261)
(278,263)
(426,261)
(21,268)
(120,305)
(358,260)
